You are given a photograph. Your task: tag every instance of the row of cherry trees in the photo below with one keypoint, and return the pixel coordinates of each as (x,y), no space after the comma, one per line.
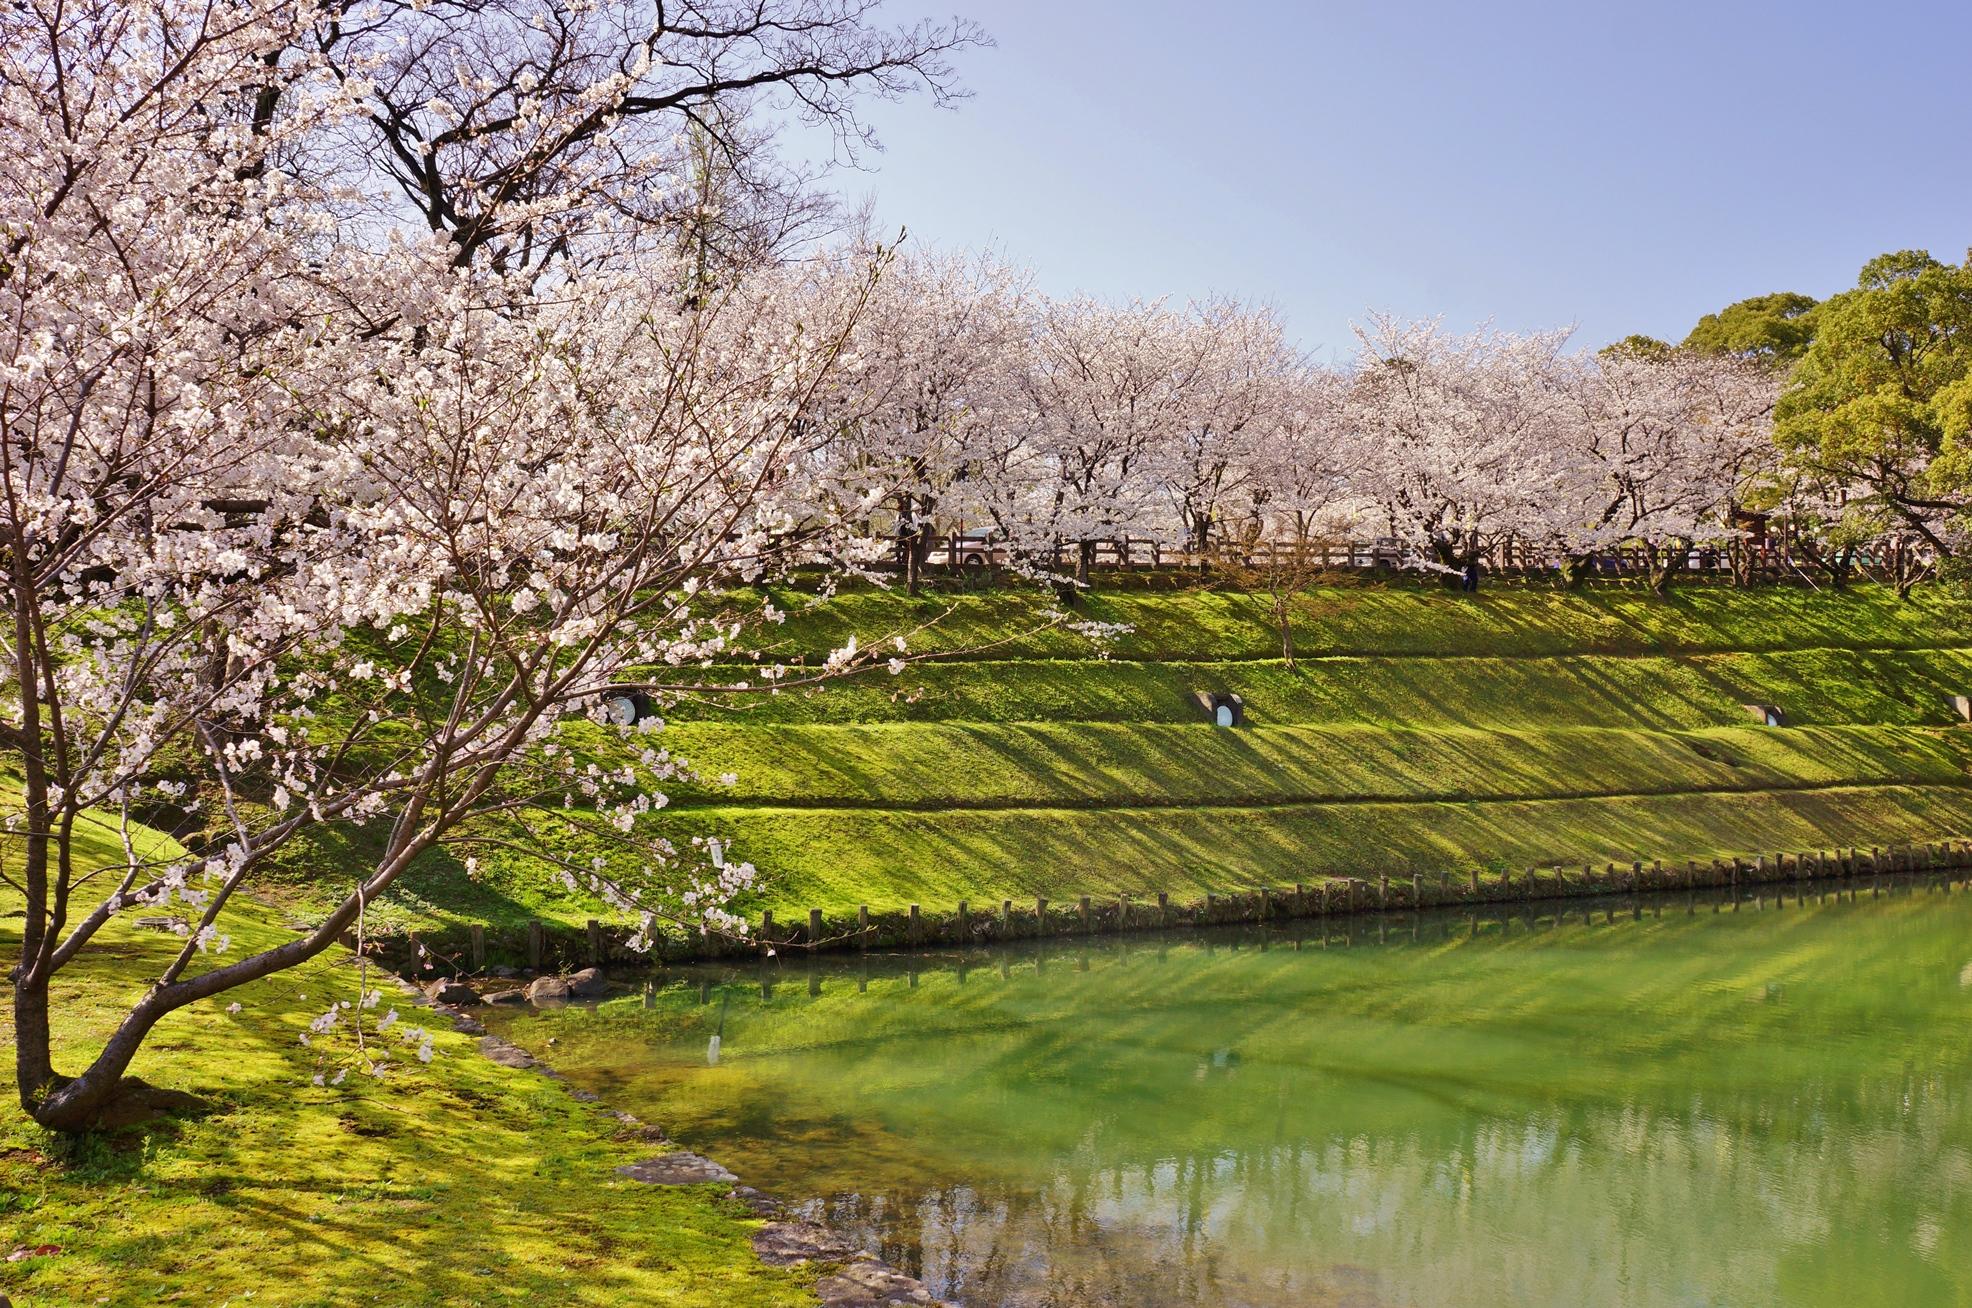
(971,402)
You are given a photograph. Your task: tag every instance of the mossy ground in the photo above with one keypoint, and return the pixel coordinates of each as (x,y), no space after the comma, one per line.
(453,1182)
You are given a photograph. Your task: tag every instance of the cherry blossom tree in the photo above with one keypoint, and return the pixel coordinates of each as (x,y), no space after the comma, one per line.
(1232,376)
(302,531)
(1728,458)
(1298,482)
(1300,474)
(514,128)
(1105,387)
(934,365)
(1661,447)
(1464,434)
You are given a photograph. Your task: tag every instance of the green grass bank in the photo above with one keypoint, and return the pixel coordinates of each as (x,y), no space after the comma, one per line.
(1028,752)
(1417,731)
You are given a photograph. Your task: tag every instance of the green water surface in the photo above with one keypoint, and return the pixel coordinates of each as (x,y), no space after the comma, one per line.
(1681,1102)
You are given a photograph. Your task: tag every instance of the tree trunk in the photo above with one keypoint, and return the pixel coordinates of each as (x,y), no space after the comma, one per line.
(1085,559)
(1575,572)
(1907,570)
(34,1067)
(1744,571)
(1448,557)
(916,556)
(1666,563)
(71,1104)
(1281,612)
(1837,567)
(908,531)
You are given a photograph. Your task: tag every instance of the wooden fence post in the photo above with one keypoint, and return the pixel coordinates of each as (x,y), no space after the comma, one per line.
(478,947)
(917,925)
(535,946)
(862,926)
(1163,908)
(595,932)
(1084,906)
(814,926)
(965,920)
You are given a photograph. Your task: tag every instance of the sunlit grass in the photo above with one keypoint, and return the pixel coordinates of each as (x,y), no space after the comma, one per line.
(460,1182)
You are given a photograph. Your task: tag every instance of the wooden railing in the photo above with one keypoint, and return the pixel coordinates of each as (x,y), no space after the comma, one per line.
(1747,562)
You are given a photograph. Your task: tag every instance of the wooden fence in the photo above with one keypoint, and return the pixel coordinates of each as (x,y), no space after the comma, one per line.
(1745,562)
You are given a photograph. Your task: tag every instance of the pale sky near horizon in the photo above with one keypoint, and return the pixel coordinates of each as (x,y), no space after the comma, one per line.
(1625,168)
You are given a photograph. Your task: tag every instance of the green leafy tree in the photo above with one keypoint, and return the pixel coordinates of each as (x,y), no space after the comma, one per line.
(1776,329)
(1875,419)
(1638,346)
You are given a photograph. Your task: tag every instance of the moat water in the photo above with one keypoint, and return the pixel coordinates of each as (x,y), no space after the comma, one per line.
(1679,1101)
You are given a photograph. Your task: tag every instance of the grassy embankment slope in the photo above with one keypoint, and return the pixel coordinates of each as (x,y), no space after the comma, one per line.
(458,1182)
(1419,730)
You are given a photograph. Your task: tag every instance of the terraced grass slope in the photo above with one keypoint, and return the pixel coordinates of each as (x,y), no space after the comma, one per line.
(1418,730)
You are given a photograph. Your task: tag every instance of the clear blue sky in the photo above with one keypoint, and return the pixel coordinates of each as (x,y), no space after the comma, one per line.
(1625,167)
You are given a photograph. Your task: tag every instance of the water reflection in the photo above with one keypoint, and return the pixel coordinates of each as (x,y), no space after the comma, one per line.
(1692,1101)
